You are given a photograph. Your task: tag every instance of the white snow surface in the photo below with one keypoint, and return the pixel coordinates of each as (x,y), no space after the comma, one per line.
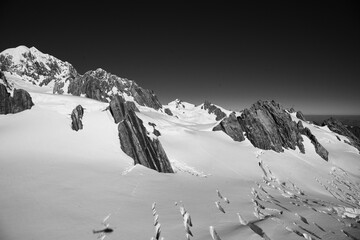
(60,184)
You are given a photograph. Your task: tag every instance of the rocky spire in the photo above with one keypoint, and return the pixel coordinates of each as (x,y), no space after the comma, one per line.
(135,140)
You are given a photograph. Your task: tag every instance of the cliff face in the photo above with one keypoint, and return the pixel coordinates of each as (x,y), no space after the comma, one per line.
(268,126)
(231,126)
(135,140)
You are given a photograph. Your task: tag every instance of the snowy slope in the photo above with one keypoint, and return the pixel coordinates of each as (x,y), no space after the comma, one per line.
(189,113)
(60,184)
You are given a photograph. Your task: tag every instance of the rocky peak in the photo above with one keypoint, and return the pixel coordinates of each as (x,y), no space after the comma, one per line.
(266,124)
(42,69)
(211,108)
(99,73)
(103,86)
(269,126)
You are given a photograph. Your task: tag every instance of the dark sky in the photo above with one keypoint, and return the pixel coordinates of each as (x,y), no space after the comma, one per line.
(304,56)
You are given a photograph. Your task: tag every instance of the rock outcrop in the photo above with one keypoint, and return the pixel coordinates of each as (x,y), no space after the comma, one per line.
(211,108)
(231,127)
(76,118)
(337,127)
(300,115)
(268,126)
(168,111)
(119,108)
(155,131)
(319,149)
(134,138)
(136,143)
(20,101)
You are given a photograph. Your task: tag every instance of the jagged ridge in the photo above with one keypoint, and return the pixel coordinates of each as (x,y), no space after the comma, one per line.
(268,126)
(45,70)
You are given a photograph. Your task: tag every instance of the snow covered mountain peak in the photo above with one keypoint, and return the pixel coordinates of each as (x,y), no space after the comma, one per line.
(40,69)
(34,66)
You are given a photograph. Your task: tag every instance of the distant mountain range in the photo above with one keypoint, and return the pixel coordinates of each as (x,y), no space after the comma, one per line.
(267,125)
(74,147)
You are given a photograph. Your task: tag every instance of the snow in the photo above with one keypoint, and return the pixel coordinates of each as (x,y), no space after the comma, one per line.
(60,184)
(16,53)
(189,113)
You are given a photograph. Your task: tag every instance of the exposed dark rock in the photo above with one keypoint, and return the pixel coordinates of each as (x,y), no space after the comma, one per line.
(268,126)
(119,108)
(214,109)
(354,130)
(231,127)
(155,131)
(292,110)
(76,118)
(168,111)
(319,149)
(103,86)
(300,115)
(338,138)
(20,101)
(337,127)
(131,106)
(138,145)
(5,81)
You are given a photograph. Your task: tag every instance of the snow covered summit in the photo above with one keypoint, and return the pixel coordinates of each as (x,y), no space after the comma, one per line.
(34,66)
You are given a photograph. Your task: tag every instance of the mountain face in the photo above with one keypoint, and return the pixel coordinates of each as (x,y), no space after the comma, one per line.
(43,69)
(34,66)
(103,86)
